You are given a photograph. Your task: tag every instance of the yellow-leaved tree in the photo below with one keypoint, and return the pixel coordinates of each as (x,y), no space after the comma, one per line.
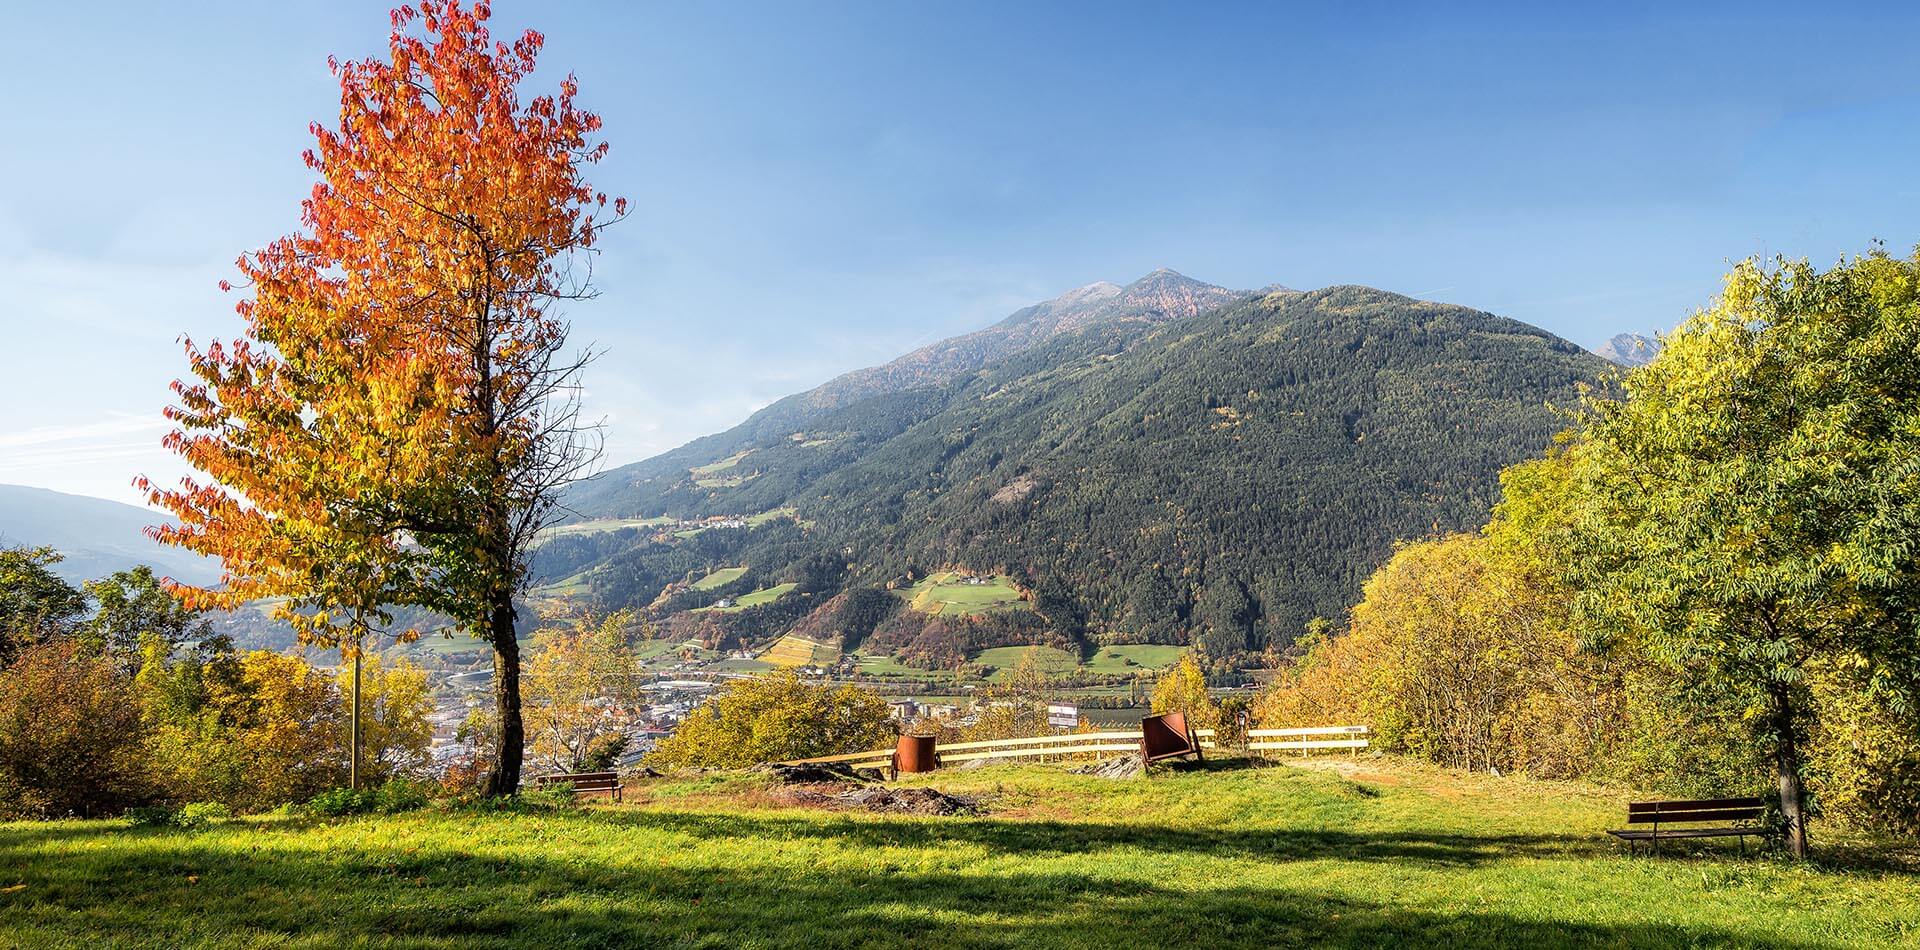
(582,692)
(1183,689)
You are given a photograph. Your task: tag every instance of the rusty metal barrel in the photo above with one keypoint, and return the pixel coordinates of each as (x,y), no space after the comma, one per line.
(915,754)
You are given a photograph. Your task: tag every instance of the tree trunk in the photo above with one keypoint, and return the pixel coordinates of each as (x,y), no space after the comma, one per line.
(1786,764)
(512,738)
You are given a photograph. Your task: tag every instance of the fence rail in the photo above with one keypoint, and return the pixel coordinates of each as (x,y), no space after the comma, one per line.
(1078,743)
(1288,740)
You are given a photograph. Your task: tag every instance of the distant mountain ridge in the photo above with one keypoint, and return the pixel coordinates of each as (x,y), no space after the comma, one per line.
(1629,349)
(96,537)
(1158,297)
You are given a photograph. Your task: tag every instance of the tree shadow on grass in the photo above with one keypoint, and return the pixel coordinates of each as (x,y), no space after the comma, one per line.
(1032,838)
(170,892)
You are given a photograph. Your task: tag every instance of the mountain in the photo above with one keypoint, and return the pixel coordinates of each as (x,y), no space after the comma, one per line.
(1629,349)
(96,536)
(657,484)
(1147,473)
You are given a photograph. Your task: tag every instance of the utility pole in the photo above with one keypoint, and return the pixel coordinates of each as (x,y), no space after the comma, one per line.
(353,761)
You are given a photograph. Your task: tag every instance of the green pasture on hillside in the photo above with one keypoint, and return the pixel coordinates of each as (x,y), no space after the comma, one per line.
(600,525)
(1048,660)
(949,592)
(1145,656)
(764,595)
(719,578)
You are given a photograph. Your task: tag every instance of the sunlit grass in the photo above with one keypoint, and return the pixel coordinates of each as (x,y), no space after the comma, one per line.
(1346,853)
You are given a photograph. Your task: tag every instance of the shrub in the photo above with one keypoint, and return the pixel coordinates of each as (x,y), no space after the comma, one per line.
(340,802)
(190,816)
(775,717)
(70,735)
(150,816)
(201,814)
(400,795)
(391,798)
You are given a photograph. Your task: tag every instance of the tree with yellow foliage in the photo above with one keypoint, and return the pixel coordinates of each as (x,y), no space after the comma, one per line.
(1183,689)
(582,692)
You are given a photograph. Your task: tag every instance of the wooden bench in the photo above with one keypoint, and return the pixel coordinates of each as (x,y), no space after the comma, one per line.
(1731,818)
(584,783)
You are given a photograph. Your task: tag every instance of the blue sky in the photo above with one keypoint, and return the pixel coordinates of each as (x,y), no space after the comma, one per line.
(823,186)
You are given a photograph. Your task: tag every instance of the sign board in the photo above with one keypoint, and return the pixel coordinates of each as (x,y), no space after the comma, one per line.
(1063,715)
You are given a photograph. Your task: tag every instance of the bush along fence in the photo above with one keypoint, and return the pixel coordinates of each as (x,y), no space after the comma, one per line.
(927,754)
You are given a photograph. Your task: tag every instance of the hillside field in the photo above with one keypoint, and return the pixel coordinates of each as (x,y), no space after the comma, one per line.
(1048,660)
(950,593)
(764,595)
(792,650)
(1347,853)
(1144,656)
(600,525)
(719,578)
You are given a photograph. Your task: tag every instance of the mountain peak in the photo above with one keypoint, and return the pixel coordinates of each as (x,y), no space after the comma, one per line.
(1174,295)
(1629,349)
(1162,276)
(1091,293)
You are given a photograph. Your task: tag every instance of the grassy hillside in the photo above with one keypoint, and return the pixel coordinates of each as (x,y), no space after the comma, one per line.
(764,595)
(1359,854)
(719,578)
(949,593)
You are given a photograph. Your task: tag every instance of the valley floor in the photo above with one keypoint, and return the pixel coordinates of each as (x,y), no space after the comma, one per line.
(1369,852)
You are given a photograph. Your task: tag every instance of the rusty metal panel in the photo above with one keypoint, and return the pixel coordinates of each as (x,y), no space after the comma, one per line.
(1166,736)
(915,754)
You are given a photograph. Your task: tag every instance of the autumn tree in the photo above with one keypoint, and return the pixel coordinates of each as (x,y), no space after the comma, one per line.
(1016,706)
(397,419)
(70,741)
(1183,689)
(581,692)
(395,701)
(1753,498)
(773,718)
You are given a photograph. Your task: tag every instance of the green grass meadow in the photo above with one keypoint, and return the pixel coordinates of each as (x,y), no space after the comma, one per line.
(948,593)
(1348,853)
(719,578)
(1048,660)
(764,595)
(1145,656)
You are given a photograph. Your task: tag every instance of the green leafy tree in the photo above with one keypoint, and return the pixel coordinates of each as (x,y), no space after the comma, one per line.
(134,603)
(1752,500)
(35,603)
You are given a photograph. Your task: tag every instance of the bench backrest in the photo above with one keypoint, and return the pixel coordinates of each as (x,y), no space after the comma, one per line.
(1696,809)
(581,781)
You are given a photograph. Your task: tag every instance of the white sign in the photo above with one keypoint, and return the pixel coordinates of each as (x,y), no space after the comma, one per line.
(1064,715)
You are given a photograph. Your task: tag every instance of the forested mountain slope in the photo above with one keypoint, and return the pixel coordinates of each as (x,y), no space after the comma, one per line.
(805,434)
(1223,477)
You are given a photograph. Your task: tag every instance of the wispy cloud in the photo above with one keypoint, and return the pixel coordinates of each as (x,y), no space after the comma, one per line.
(119,426)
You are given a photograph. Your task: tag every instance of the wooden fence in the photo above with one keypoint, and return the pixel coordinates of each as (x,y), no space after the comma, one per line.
(1259,741)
